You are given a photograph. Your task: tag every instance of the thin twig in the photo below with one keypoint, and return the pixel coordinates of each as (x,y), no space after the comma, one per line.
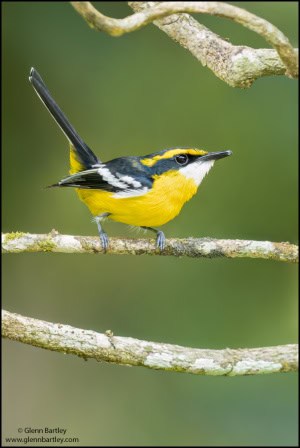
(159,356)
(19,242)
(151,11)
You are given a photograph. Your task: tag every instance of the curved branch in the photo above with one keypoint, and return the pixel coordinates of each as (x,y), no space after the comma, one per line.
(117,27)
(18,242)
(159,356)
(237,65)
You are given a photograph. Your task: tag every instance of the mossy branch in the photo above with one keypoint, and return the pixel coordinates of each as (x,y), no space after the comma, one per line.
(239,66)
(133,352)
(19,242)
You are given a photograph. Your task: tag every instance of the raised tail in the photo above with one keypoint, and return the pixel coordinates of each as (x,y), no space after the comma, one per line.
(82,157)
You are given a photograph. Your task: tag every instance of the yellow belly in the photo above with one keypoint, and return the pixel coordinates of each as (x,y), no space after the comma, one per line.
(157,207)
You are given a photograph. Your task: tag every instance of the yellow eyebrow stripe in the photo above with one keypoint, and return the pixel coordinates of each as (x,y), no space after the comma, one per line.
(171,153)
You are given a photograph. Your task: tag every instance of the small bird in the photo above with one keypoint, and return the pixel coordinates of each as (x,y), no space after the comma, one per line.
(146,191)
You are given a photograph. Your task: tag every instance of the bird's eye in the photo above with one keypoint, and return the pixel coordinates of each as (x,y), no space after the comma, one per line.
(182,159)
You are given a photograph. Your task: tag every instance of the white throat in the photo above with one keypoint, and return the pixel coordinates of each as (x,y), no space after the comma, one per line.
(197,170)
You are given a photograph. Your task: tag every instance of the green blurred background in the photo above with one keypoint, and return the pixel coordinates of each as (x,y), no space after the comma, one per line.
(131,96)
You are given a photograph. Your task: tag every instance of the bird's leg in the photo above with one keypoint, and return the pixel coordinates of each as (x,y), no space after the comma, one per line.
(103,235)
(160,237)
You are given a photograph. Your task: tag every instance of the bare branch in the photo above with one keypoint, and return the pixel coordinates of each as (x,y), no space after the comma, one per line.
(159,356)
(19,242)
(237,65)
(152,11)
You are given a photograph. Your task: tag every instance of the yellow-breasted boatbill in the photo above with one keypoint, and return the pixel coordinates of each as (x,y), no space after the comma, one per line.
(145,191)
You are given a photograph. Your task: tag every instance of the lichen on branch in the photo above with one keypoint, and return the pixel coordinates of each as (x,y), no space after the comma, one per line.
(19,242)
(159,356)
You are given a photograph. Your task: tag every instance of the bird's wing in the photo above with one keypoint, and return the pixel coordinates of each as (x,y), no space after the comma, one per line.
(103,178)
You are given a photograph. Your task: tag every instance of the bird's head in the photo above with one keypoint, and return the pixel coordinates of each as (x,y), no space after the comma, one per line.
(192,163)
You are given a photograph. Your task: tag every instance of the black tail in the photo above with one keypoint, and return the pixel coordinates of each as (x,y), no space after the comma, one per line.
(84,153)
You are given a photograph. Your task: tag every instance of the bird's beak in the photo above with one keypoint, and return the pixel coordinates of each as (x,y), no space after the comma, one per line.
(215,155)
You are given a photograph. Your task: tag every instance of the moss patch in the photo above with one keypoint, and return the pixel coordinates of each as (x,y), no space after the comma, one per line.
(13,236)
(46,246)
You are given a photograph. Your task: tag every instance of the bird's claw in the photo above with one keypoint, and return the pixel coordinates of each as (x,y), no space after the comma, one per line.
(104,241)
(160,240)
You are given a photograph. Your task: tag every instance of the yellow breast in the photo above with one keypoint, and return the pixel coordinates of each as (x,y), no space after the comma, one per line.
(161,204)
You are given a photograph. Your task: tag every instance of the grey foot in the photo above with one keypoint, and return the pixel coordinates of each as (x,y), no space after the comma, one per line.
(104,240)
(160,240)
(103,235)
